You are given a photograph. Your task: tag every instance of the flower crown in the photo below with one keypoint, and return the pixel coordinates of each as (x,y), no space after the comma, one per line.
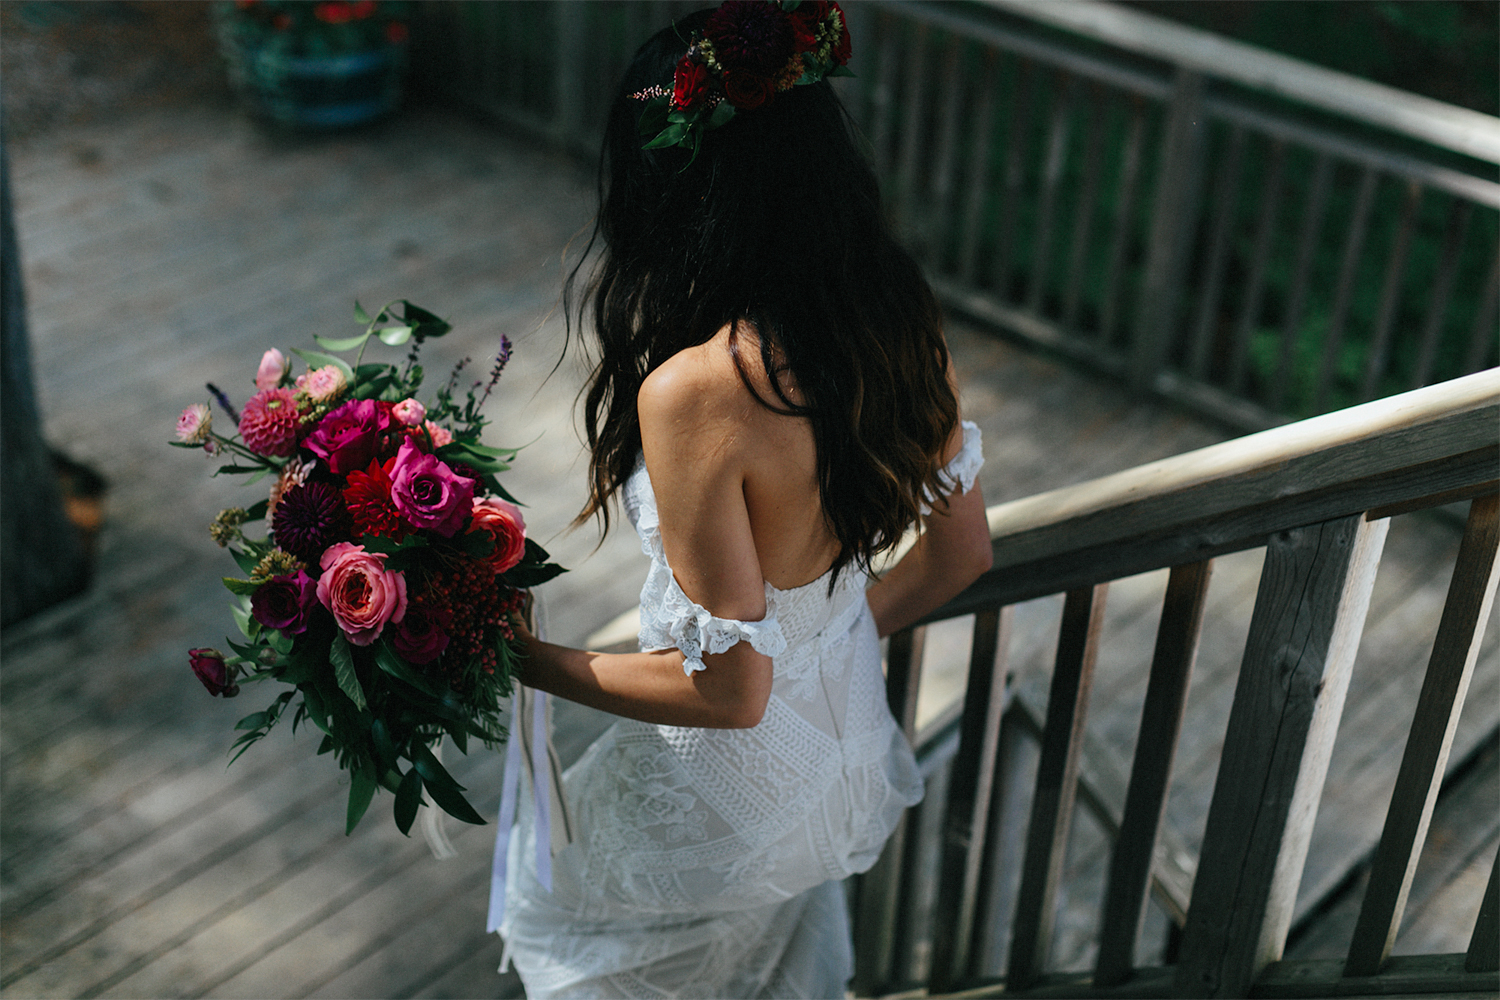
(748,52)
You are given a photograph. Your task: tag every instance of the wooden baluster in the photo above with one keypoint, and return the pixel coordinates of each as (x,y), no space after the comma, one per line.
(1015,174)
(1174,212)
(1151,773)
(1484,946)
(1390,293)
(1255,284)
(1343,295)
(1056,784)
(1226,202)
(937,222)
(1307,241)
(1471,592)
(978,177)
(1442,290)
(882,94)
(572,39)
(1130,173)
(999,874)
(1482,336)
(1309,612)
(1064,99)
(880,888)
(913,133)
(1083,214)
(969,785)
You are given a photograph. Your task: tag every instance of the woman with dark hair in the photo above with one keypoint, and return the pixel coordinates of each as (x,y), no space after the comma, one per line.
(774,406)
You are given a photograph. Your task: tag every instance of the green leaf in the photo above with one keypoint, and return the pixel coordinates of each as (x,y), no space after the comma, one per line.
(460,735)
(316,710)
(721,114)
(280,641)
(316,359)
(326,746)
(394,336)
(475,448)
(385,750)
(841,71)
(341,343)
(255,720)
(240,586)
(424,324)
(361,791)
(256,511)
(247,560)
(342,658)
(408,800)
(670,136)
(360,316)
(526,575)
(248,626)
(387,660)
(260,474)
(454,804)
(433,772)
(239,468)
(654,115)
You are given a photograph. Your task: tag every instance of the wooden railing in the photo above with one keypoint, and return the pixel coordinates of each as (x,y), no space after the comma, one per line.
(1248,234)
(1317,495)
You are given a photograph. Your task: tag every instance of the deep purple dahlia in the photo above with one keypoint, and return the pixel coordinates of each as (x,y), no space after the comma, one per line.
(309,518)
(751,36)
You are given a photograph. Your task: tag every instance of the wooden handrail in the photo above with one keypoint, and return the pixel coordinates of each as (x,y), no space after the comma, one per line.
(1472,133)
(1231,496)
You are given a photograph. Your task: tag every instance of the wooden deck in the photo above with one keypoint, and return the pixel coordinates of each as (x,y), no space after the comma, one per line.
(169,248)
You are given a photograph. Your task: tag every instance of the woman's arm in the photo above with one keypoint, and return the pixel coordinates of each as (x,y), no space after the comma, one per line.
(690,423)
(953,549)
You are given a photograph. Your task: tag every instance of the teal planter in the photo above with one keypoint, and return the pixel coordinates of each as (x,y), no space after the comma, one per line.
(320,92)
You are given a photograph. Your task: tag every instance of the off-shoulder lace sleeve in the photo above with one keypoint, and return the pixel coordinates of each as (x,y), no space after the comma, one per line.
(961,471)
(695,631)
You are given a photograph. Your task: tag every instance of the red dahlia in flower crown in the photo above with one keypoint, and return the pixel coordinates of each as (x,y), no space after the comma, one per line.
(748,52)
(381,594)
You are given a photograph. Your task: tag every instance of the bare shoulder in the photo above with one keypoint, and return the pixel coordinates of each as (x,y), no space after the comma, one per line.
(697,391)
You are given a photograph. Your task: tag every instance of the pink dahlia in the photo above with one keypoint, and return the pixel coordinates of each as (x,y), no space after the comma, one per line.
(271,422)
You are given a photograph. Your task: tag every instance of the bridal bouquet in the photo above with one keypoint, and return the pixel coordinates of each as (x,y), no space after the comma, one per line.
(382,594)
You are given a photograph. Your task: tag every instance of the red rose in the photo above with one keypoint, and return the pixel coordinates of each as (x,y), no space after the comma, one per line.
(806,20)
(747,90)
(210,668)
(689,84)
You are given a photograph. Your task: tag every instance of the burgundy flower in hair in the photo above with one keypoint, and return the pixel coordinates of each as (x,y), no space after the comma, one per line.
(751,36)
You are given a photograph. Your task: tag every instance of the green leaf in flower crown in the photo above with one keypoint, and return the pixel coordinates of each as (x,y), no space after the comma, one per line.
(342,658)
(722,112)
(670,136)
(361,791)
(841,71)
(240,586)
(654,115)
(341,343)
(247,561)
(408,800)
(316,359)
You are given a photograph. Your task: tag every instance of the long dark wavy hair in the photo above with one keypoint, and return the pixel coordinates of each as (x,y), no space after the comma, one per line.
(775,229)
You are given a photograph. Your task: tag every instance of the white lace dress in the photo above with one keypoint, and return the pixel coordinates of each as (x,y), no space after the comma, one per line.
(706,862)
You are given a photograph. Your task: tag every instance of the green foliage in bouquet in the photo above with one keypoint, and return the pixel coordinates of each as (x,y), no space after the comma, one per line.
(383,591)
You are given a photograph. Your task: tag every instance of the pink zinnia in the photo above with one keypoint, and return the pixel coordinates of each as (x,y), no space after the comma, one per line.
(271,422)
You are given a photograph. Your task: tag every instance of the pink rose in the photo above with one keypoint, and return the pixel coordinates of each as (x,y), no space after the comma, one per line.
(428,493)
(349,437)
(409,412)
(210,668)
(273,368)
(362,594)
(440,435)
(505,525)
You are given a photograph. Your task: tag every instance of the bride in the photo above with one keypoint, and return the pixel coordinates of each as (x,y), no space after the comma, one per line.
(774,407)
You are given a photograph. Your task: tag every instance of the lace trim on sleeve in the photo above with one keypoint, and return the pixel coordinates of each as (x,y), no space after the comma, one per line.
(695,631)
(964,467)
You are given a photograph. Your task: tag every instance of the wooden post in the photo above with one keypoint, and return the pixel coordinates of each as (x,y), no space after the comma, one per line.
(1056,784)
(1471,593)
(1173,210)
(1484,946)
(568,69)
(1314,593)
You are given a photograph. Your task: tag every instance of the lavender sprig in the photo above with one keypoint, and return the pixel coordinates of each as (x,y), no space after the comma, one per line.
(223,401)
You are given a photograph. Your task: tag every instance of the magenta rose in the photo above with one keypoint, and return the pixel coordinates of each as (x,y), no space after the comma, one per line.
(284,602)
(428,493)
(362,594)
(421,636)
(216,675)
(349,437)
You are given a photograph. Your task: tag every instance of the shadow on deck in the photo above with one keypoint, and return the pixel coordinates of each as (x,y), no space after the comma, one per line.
(171,247)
